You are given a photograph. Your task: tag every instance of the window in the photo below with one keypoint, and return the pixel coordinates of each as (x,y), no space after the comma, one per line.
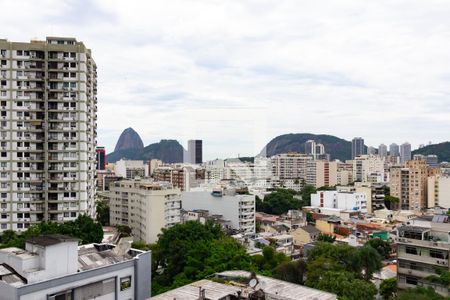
(438,254)
(125,283)
(4,216)
(411,280)
(411,250)
(66,295)
(19,225)
(3,154)
(73,214)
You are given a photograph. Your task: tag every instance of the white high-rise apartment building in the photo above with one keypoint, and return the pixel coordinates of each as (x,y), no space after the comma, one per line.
(48,100)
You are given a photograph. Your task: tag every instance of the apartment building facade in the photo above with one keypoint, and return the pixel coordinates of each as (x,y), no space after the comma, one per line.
(422,251)
(290,165)
(145,206)
(48,131)
(92,271)
(409,184)
(236,208)
(439,191)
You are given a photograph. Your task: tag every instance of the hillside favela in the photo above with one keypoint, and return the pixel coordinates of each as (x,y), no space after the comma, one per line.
(224,150)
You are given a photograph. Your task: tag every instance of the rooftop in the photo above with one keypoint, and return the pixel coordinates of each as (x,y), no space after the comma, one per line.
(49,240)
(234,285)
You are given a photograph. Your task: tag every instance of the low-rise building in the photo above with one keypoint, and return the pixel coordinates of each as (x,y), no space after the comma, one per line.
(238,209)
(54,267)
(341,200)
(423,249)
(145,206)
(304,235)
(130,168)
(245,286)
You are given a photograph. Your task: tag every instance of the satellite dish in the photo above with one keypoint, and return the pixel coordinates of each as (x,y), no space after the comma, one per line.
(253,283)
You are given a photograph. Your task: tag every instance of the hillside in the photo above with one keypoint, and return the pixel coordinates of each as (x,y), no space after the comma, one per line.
(442,150)
(295,142)
(169,151)
(129,139)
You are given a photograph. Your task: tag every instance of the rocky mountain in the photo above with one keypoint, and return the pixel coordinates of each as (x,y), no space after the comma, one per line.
(442,150)
(295,142)
(169,151)
(129,139)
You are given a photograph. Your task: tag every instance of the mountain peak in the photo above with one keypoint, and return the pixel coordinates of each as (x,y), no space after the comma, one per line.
(129,139)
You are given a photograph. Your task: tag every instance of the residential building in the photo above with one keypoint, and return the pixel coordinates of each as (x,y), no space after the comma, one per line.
(371,150)
(423,250)
(358,147)
(180,176)
(340,200)
(48,131)
(382,150)
(325,173)
(145,206)
(394,150)
(152,165)
(409,184)
(305,235)
(344,173)
(100,158)
(238,209)
(368,168)
(54,267)
(195,152)
(290,165)
(130,168)
(439,191)
(405,152)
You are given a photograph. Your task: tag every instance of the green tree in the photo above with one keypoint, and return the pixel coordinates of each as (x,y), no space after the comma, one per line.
(292,271)
(306,192)
(83,227)
(323,237)
(102,212)
(191,251)
(270,259)
(388,288)
(346,286)
(420,293)
(278,202)
(383,247)
(370,261)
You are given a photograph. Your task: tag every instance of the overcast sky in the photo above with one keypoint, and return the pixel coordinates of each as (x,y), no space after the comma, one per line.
(238,73)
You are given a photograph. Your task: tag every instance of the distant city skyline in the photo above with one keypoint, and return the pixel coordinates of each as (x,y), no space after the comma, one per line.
(238,73)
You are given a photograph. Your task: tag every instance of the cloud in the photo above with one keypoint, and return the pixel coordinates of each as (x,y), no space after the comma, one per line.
(237,73)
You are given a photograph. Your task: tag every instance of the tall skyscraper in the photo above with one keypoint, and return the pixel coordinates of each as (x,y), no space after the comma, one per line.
(100,158)
(382,150)
(195,151)
(310,147)
(357,147)
(405,152)
(48,131)
(394,150)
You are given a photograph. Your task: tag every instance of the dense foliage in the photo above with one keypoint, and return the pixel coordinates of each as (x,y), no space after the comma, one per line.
(441,149)
(281,200)
(420,293)
(278,202)
(388,288)
(102,209)
(84,228)
(383,247)
(343,269)
(292,271)
(323,237)
(192,251)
